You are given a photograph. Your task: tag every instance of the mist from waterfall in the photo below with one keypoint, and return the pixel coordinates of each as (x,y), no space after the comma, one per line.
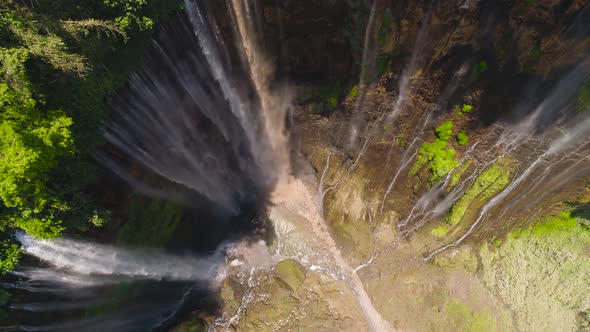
(90,259)
(203,118)
(78,277)
(199,120)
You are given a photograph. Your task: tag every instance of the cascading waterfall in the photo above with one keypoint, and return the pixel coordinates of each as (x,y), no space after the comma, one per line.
(95,259)
(568,144)
(79,275)
(404,82)
(273,105)
(181,135)
(366,66)
(170,123)
(192,118)
(204,120)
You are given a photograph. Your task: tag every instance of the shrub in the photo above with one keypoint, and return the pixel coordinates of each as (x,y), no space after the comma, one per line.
(465,109)
(445,131)
(462,138)
(9,256)
(354,92)
(436,155)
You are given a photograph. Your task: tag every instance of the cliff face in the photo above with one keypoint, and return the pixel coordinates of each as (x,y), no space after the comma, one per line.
(325,40)
(397,183)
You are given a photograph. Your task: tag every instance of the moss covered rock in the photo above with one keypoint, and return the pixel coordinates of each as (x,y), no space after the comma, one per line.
(291,272)
(487,184)
(542,274)
(462,258)
(319,303)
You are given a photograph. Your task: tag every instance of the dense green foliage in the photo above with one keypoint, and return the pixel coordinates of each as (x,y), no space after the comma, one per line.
(487,184)
(462,138)
(439,158)
(466,108)
(444,131)
(30,143)
(9,254)
(59,59)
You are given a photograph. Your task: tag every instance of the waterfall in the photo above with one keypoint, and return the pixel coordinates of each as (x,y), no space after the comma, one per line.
(79,277)
(195,119)
(404,82)
(85,258)
(566,142)
(273,106)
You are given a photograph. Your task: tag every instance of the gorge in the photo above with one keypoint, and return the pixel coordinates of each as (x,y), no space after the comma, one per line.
(317,166)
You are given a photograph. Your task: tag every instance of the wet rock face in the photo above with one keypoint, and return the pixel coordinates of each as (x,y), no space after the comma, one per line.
(307,39)
(502,46)
(323,41)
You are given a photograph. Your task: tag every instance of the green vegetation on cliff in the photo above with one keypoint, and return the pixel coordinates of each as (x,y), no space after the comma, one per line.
(541,272)
(150,222)
(436,155)
(463,318)
(466,108)
(487,184)
(9,255)
(462,138)
(458,173)
(478,70)
(59,59)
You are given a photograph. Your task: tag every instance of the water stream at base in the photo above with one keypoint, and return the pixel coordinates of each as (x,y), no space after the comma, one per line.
(295,196)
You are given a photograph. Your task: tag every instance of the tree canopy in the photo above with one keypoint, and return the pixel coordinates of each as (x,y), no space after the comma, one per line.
(59,59)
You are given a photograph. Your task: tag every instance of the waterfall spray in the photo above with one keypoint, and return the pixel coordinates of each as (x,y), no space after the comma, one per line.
(84,259)
(273,106)
(191,118)
(404,82)
(576,137)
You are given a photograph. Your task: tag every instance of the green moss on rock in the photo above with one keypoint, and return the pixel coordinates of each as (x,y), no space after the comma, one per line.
(228,294)
(541,273)
(487,184)
(458,258)
(291,272)
(458,173)
(463,318)
(440,231)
